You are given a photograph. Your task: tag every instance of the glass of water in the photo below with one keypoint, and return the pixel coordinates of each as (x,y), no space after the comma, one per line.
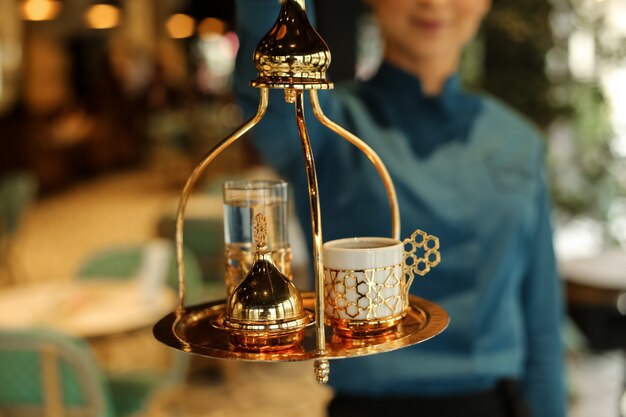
(242,201)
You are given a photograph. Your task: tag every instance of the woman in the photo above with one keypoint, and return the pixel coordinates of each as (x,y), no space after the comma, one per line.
(466,169)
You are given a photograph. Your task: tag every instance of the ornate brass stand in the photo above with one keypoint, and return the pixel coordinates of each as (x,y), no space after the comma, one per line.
(294,58)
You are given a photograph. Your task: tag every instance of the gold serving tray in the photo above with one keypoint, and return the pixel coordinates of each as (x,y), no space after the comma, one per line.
(199,330)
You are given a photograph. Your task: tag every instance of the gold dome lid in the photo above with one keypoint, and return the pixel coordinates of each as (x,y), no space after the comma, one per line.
(265,311)
(292,54)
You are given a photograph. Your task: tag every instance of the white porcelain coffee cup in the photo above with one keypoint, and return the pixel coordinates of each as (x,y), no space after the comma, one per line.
(366,290)
(364,283)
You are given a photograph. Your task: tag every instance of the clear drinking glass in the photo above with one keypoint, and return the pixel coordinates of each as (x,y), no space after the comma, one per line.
(242,201)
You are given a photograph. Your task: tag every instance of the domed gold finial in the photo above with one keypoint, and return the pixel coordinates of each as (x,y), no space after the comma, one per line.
(292,55)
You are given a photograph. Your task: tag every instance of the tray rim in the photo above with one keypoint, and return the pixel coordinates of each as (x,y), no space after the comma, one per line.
(436,321)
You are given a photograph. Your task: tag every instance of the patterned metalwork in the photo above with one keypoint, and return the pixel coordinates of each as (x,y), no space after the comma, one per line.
(259,230)
(370,294)
(365,302)
(428,245)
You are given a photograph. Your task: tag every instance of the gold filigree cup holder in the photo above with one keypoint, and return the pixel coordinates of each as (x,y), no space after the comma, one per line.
(292,57)
(363,299)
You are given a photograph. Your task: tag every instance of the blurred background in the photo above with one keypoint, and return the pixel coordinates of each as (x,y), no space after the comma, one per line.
(106,106)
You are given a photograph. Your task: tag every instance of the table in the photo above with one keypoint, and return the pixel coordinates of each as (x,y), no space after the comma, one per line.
(596,296)
(279,389)
(88,308)
(606,270)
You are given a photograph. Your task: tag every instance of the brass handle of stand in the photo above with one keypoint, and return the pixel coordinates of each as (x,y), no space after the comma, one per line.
(191,182)
(371,155)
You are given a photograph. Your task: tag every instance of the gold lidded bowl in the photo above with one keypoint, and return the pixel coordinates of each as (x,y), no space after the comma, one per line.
(265,311)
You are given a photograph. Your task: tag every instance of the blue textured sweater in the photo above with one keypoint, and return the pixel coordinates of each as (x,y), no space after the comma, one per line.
(466,169)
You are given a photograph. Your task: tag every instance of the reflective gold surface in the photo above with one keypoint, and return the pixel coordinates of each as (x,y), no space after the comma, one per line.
(265,296)
(239,260)
(292,55)
(200,330)
(265,311)
(265,341)
(365,328)
(321,365)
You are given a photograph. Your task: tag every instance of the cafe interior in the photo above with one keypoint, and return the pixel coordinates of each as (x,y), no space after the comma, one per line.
(107,107)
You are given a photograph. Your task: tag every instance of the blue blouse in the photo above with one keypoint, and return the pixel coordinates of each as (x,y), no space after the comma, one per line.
(466,169)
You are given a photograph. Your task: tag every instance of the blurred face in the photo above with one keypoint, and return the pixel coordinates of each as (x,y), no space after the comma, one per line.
(428,29)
